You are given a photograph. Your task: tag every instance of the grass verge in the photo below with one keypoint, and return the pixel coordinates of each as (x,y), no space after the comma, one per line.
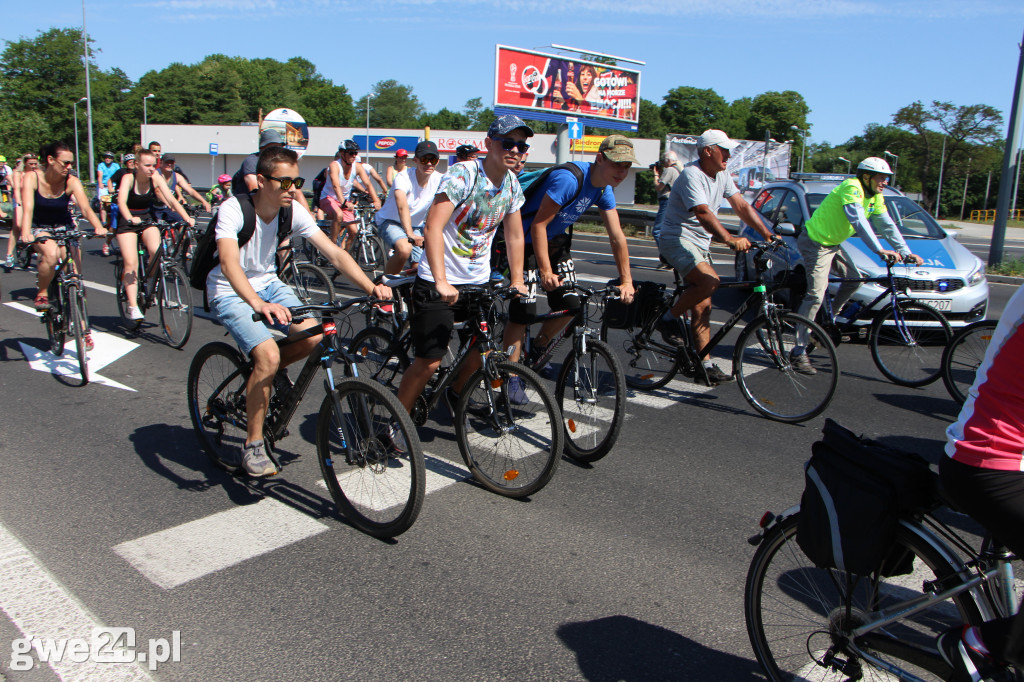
(1011,267)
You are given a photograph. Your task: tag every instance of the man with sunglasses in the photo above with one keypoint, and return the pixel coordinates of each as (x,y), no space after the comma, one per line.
(179,185)
(342,174)
(472,200)
(400,221)
(246,281)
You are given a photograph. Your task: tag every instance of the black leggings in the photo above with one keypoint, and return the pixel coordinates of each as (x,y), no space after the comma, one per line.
(995,499)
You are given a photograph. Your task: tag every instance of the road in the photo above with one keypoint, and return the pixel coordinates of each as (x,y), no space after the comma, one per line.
(632,568)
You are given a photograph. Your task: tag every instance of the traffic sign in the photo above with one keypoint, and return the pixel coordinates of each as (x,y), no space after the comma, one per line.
(213,149)
(575,130)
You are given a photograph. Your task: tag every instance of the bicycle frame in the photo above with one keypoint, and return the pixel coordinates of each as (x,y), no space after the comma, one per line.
(891,290)
(577,326)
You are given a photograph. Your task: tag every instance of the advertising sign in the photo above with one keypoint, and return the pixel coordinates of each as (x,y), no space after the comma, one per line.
(749,164)
(387,143)
(449,144)
(291,126)
(588,144)
(551,84)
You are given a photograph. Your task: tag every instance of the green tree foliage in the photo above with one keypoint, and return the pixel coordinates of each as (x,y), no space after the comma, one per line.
(736,119)
(445,119)
(650,125)
(480,117)
(393,106)
(777,112)
(690,111)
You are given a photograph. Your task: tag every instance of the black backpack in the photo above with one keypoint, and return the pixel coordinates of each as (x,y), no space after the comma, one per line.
(318,186)
(205,258)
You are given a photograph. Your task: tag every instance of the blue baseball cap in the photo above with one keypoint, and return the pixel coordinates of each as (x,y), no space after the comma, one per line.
(503,125)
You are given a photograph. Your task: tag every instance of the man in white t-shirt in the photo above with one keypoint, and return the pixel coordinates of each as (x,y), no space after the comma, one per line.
(246,281)
(401,220)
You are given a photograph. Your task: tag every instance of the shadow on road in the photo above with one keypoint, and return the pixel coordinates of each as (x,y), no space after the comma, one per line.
(620,648)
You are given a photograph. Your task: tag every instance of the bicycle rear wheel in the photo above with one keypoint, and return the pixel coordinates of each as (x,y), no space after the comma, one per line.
(767,378)
(54,320)
(514,448)
(371,457)
(311,284)
(647,364)
(591,394)
(368,252)
(798,615)
(963,356)
(175,296)
(216,402)
(78,324)
(907,342)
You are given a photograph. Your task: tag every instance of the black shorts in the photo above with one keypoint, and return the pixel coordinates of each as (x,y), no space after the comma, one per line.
(431,320)
(522,310)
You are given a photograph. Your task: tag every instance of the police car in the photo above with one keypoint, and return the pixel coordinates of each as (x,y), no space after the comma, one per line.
(951,280)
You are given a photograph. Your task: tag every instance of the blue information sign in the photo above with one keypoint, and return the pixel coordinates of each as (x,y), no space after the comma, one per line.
(213,149)
(575,130)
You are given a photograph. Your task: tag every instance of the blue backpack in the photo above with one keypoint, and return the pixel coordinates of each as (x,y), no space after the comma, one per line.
(532,181)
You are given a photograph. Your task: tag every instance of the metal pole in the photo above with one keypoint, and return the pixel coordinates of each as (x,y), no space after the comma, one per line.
(562,144)
(988,185)
(849,164)
(368,98)
(1016,185)
(88,96)
(963,199)
(764,164)
(145,119)
(942,166)
(78,167)
(1010,160)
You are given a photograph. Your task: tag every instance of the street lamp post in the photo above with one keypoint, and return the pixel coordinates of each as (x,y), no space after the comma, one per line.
(145,118)
(963,200)
(369,96)
(896,166)
(942,167)
(74,107)
(803,150)
(848,164)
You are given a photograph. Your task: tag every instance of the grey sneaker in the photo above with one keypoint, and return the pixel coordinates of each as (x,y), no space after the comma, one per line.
(802,364)
(9,263)
(255,460)
(716,374)
(517,391)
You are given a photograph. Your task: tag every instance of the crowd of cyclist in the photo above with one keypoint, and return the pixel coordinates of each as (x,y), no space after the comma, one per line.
(447,224)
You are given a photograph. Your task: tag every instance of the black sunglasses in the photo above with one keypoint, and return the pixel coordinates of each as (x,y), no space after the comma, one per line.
(429,159)
(286,183)
(508,144)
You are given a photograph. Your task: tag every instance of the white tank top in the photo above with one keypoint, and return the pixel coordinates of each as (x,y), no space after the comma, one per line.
(346,183)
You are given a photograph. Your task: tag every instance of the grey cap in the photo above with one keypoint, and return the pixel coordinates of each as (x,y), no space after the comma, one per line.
(270,136)
(503,125)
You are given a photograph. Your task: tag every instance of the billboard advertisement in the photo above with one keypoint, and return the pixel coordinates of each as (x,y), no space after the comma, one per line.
(291,126)
(386,143)
(749,164)
(547,83)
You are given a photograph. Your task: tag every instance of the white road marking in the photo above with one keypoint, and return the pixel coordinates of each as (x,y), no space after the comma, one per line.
(177,555)
(440,474)
(40,607)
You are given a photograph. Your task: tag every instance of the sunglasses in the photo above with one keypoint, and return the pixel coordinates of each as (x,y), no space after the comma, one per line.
(66,164)
(508,144)
(287,183)
(429,159)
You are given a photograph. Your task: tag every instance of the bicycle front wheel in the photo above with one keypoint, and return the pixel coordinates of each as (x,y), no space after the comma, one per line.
(371,457)
(78,325)
(907,342)
(216,402)
(767,378)
(54,319)
(509,429)
(175,306)
(647,364)
(311,284)
(591,394)
(368,252)
(963,356)
(378,358)
(799,617)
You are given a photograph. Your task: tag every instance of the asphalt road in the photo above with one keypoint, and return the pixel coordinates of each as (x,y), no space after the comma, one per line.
(631,569)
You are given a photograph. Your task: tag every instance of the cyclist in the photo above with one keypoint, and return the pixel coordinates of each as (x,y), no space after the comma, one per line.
(400,221)
(45,196)
(26,164)
(220,192)
(471,201)
(548,217)
(335,197)
(112,185)
(688,225)
(244,179)
(397,167)
(465,152)
(179,185)
(372,173)
(983,475)
(246,281)
(104,171)
(142,193)
(855,206)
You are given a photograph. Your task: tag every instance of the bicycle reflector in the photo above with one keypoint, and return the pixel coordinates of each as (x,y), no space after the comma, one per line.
(330,329)
(572,425)
(511,474)
(766,519)
(496,383)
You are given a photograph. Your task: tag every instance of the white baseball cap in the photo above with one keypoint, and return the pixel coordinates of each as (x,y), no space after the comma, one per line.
(716,138)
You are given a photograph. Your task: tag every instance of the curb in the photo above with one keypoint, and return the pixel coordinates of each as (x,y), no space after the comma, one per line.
(1004,279)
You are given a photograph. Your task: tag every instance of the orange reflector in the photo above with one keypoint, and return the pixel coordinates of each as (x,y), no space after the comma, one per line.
(496,383)
(364,351)
(646,377)
(511,474)
(986,337)
(572,425)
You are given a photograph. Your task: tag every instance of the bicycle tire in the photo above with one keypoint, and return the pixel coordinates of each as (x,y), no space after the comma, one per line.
(914,360)
(794,611)
(176,312)
(647,365)
(54,319)
(216,387)
(77,324)
(368,252)
(378,358)
(311,284)
(767,379)
(377,485)
(963,356)
(513,450)
(591,395)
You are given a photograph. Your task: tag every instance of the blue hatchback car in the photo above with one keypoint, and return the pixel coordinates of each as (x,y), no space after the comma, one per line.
(951,280)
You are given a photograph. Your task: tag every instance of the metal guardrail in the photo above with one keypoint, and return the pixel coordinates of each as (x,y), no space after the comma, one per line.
(990,214)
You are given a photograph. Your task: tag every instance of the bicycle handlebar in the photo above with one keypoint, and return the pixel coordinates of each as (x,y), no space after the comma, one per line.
(329,308)
(65,236)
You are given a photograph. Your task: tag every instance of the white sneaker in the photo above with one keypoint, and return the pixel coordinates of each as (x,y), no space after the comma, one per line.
(398,439)
(135,314)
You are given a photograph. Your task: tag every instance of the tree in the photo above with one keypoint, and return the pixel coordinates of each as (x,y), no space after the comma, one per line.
(737,118)
(649,123)
(480,117)
(393,106)
(445,119)
(691,111)
(777,112)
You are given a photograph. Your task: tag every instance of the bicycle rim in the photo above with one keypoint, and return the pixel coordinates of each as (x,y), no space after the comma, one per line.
(907,341)
(591,394)
(175,306)
(216,402)
(78,323)
(768,380)
(646,364)
(371,458)
(797,613)
(963,356)
(513,449)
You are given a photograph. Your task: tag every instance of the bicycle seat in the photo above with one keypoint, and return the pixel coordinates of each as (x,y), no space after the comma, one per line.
(397,280)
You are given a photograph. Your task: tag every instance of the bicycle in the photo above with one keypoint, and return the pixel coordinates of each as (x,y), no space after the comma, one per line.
(906,336)
(590,389)
(366,247)
(511,446)
(161,282)
(377,483)
(311,284)
(806,622)
(761,359)
(67,314)
(962,357)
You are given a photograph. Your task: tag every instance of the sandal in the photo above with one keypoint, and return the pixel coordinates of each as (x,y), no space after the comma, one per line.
(89,345)
(42,302)
(106,250)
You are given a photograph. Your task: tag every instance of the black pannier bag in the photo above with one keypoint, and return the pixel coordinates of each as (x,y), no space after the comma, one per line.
(618,315)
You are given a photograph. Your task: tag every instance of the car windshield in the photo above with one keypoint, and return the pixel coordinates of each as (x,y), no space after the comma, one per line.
(914,222)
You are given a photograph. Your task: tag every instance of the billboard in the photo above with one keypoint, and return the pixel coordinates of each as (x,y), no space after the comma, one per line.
(291,126)
(546,83)
(386,143)
(749,164)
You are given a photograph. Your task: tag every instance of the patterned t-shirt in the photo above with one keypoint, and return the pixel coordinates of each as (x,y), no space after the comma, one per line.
(479,209)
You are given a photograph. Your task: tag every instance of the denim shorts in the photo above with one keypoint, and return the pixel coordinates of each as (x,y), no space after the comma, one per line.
(236,315)
(683,254)
(391,232)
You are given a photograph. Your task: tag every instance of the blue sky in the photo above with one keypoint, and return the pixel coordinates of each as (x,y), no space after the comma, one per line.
(855,62)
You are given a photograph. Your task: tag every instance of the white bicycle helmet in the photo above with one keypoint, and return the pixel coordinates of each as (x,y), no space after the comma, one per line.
(873,164)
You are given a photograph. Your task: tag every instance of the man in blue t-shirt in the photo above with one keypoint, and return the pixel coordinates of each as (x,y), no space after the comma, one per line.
(548,257)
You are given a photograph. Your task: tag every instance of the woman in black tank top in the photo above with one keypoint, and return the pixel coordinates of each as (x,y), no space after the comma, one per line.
(49,191)
(135,207)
